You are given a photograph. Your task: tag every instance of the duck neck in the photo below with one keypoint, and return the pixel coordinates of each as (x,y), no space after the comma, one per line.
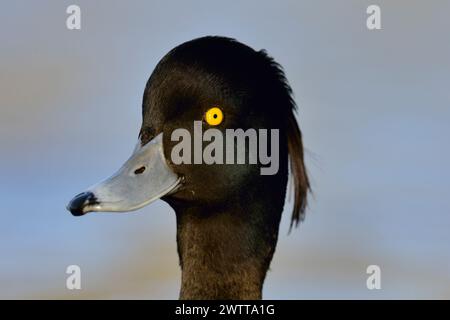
(225,253)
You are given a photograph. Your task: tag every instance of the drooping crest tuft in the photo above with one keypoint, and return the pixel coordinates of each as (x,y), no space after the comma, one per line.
(294,141)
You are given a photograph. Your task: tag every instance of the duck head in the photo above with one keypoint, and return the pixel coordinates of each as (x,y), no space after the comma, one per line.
(226,208)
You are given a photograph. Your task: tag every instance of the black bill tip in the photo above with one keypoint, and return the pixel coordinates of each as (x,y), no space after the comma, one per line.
(78,204)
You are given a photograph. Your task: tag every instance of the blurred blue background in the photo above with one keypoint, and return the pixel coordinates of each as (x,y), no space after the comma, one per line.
(374,110)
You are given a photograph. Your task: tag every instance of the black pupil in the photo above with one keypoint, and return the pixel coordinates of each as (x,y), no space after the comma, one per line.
(139,171)
(215,116)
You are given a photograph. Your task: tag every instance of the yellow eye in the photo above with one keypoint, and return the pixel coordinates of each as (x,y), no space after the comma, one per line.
(214,116)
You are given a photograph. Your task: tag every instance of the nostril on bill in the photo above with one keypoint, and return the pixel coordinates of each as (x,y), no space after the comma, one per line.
(140,170)
(79,202)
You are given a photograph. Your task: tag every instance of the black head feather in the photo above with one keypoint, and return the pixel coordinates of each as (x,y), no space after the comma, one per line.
(293,137)
(250,83)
